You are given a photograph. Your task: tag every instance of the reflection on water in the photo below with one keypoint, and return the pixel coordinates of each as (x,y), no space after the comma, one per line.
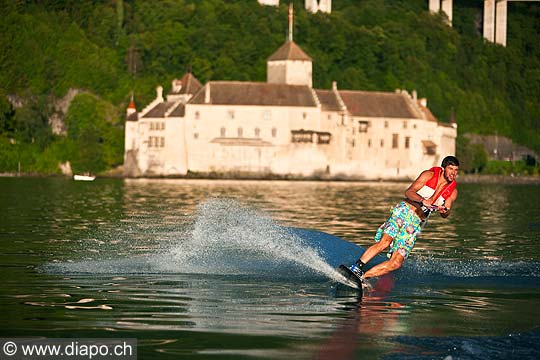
(190,276)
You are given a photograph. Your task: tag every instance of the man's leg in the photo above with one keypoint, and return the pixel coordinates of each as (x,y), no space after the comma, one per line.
(394,263)
(370,253)
(376,248)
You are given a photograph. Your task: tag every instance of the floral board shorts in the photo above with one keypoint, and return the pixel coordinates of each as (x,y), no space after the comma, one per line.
(402,226)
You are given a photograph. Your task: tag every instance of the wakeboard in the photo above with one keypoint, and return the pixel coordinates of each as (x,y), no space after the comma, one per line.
(351,280)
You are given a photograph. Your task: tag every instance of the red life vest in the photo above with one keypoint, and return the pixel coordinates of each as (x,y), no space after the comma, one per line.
(430,187)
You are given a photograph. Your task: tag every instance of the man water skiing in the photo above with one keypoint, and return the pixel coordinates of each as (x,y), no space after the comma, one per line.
(434,190)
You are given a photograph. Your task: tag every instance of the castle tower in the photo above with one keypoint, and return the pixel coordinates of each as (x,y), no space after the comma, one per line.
(289,64)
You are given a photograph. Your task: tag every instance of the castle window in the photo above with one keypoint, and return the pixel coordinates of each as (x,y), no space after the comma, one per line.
(151,126)
(363,126)
(162,142)
(195,136)
(395,140)
(382,142)
(407,142)
(257,132)
(386,124)
(369,143)
(274,132)
(405,124)
(150,141)
(223,132)
(414,126)
(197,115)
(156,141)
(163,126)
(429,147)
(323,137)
(267,115)
(231,114)
(304,115)
(310,136)
(329,117)
(240,132)
(302,136)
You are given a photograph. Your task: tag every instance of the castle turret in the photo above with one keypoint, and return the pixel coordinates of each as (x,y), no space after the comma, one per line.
(289,64)
(131,109)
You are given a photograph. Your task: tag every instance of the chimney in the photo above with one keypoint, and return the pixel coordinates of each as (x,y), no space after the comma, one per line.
(207,94)
(414,96)
(176,86)
(423,102)
(334,85)
(159,93)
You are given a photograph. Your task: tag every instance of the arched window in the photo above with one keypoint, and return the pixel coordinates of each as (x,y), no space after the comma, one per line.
(257,132)
(223,132)
(240,132)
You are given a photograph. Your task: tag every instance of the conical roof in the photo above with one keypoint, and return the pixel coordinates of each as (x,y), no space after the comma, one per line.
(289,51)
(188,84)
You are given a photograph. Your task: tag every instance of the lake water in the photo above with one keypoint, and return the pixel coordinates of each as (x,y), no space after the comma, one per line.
(227,269)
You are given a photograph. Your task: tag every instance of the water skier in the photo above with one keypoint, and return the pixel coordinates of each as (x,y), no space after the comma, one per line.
(433,190)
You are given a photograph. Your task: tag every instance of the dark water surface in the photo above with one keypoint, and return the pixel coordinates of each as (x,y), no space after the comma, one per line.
(208,269)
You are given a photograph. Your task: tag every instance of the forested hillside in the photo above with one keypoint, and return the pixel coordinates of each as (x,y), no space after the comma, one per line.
(110,48)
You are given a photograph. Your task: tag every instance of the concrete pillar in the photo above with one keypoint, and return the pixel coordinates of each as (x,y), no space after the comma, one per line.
(501,17)
(269,2)
(325,6)
(447,9)
(312,6)
(434,6)
(489,20)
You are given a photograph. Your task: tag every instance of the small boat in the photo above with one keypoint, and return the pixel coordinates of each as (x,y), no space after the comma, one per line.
(84,177)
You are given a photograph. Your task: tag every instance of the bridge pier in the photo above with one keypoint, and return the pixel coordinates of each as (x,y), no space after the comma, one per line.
(495,18)
(445,5)
(501,14)
(489,20)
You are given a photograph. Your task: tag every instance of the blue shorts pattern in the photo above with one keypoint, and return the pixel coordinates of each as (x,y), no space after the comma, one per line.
(402,226)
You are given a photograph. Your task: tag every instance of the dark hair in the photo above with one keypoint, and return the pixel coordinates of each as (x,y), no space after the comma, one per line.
(450,160)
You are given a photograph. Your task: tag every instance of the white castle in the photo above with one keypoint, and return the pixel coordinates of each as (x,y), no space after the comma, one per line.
(283,127)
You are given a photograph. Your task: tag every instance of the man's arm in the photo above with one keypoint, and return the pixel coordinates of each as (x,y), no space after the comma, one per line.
(445,211)
(422,179)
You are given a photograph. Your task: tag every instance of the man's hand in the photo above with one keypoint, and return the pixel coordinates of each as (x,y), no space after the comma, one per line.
(444,211)
(427,202)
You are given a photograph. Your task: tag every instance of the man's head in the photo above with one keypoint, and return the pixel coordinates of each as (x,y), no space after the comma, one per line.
(450,165)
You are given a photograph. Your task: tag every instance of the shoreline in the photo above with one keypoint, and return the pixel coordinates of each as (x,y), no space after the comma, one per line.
(463,179)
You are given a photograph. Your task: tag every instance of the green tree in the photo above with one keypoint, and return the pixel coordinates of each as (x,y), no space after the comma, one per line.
(6,114)
(93,129)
